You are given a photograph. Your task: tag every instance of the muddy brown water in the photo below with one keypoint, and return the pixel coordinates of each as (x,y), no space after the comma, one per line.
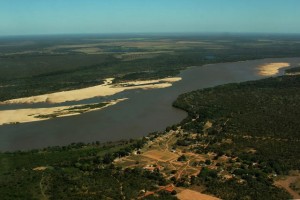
(145,111)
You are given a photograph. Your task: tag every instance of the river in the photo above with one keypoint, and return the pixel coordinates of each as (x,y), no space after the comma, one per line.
(145,111)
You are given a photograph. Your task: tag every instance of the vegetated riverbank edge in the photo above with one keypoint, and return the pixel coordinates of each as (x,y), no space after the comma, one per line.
(204,155)
(265,70)
(106,89)
(15,116)
(100,125)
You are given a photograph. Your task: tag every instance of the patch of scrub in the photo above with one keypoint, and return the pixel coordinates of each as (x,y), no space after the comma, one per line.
(38,114)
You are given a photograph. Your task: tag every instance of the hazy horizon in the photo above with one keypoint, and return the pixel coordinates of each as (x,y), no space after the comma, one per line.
(34,17)
(154,34)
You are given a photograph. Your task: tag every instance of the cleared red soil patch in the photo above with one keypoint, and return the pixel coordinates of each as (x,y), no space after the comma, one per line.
(285,183)
(193,195)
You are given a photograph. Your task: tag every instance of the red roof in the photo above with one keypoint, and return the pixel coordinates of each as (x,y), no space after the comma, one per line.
(169,188)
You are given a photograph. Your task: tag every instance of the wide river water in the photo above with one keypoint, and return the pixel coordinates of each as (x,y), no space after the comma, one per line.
(145,111)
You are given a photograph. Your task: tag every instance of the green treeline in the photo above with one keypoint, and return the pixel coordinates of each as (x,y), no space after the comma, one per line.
(77,171)
(255,123)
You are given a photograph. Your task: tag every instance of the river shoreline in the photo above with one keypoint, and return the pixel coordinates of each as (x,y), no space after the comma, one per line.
(145,111)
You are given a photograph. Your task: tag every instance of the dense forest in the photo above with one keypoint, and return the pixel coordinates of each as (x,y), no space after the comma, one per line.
(255,123)
(77,171)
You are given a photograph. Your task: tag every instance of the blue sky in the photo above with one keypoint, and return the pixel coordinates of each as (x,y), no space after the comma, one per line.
(23,17)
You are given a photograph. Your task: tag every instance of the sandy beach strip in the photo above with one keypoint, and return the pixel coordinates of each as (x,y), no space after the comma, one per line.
(106,89)
(271,69)
(39,114)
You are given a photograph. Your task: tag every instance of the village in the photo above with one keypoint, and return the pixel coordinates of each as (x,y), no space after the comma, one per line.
(178,164)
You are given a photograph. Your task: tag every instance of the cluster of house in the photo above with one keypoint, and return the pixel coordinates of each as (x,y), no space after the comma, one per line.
(153,167)
(169,189)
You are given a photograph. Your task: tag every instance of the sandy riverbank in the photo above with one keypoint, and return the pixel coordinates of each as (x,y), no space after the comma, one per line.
(106,89)
(39,114)
(271,69)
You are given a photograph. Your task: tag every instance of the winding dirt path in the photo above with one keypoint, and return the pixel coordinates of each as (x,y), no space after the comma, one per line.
(44,197)
(285,183)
